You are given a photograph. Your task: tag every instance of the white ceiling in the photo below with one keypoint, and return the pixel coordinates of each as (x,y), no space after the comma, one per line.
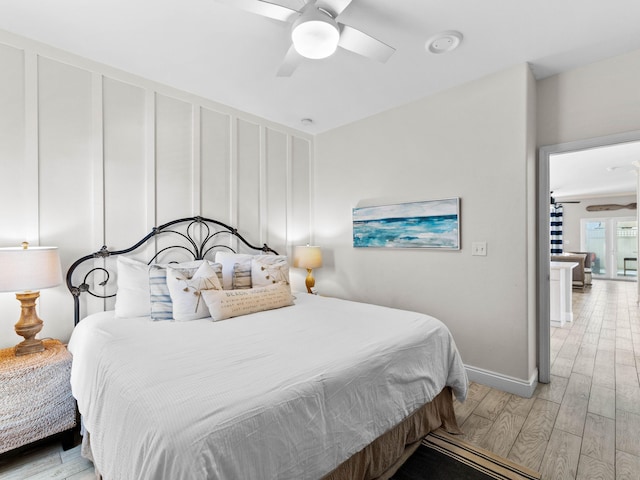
(595,172)
(231,56)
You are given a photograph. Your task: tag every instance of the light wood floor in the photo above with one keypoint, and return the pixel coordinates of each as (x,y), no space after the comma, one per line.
(47,462)
(584,425)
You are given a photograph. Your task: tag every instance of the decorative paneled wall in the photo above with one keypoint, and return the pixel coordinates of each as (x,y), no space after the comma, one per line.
(90,155)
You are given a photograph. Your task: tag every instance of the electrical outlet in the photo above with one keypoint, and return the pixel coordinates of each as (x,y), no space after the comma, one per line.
(479,249)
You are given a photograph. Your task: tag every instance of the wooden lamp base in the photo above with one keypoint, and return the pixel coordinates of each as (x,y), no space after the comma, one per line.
(310,282)
(29,325)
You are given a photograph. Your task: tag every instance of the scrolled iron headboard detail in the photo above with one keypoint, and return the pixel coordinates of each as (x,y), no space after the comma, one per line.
(198,249)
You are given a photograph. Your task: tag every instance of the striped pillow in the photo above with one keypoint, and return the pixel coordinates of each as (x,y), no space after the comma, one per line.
(242,275)
(161,308)
(161,305)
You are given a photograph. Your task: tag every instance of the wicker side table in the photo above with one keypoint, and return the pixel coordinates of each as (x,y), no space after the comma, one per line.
(35,395)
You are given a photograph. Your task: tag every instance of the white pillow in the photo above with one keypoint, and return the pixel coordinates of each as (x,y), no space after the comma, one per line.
(132,297)
(225,304)
(228,260)
(269,269)
(161,306)
(186,291)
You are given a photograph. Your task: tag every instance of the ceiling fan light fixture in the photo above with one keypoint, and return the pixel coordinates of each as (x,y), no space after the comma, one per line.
(315,34)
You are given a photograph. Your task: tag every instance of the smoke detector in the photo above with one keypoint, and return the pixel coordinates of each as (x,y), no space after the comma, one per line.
(444,42)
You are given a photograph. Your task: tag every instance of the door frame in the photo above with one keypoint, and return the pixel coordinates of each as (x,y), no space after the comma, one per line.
(544,154)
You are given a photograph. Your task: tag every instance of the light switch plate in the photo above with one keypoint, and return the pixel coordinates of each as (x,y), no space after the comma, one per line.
(479,249)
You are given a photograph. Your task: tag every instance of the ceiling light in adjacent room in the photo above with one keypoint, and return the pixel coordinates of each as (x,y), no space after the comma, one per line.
(444,42)
(315,34)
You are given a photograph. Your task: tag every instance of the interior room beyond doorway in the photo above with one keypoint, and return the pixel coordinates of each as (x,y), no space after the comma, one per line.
(582,175)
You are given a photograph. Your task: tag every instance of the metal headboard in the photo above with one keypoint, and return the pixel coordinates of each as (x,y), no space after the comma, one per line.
(212,232)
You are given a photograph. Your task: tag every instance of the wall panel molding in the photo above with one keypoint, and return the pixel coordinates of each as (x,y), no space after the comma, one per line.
(248,184)
(97,160)
(263,216)
(150,157)
(107,155)
(215,161)
(301,200)
(42,49)
(124,132)
(196,160)
(289,195)
(30,191)
(276,186)
(233,170)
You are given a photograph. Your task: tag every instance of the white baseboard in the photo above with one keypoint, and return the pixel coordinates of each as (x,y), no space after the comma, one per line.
(502,382)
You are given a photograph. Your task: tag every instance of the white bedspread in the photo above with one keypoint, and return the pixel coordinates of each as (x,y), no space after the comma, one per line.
(283,394)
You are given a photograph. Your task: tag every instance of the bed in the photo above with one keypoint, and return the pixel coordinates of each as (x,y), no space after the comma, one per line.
(264,384)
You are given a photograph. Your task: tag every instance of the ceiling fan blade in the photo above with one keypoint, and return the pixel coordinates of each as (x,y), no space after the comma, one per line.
(291,61)
(610,206)
(334,7)
(359,42)
(266,9)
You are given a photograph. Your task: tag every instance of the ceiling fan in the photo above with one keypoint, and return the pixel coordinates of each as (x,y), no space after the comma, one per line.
(315,33)
(597,208)
(555,203)
(611,206)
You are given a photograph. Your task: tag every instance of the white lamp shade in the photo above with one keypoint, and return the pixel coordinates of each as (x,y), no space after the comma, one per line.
(315,34)
(33,268)
(307,257)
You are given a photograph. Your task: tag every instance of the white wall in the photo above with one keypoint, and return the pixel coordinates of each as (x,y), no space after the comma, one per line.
(596,100)
(90,155)
(475,142)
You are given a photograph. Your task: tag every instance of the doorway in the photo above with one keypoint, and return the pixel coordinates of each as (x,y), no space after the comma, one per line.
(545,153)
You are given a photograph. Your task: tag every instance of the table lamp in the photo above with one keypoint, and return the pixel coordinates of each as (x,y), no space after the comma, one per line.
(25,270)
(307,257)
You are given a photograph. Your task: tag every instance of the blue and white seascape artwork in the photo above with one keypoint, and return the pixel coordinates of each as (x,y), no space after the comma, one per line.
(429,224)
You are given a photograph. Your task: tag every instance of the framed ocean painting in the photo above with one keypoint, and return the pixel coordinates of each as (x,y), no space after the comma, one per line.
(428,224)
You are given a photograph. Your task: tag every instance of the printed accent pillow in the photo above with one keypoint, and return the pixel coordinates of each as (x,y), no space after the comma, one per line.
(161,305)
(186,291)
(132,297)
(225,304)
(242,275)
(269,269)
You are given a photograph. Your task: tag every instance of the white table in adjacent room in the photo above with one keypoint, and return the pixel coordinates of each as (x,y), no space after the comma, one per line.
(561,289)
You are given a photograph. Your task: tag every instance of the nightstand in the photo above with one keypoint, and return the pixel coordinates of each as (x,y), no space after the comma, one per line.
(35,395)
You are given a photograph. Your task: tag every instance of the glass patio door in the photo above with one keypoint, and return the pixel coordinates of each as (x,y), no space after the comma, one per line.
(626,249)
(594,239)
(615,244)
